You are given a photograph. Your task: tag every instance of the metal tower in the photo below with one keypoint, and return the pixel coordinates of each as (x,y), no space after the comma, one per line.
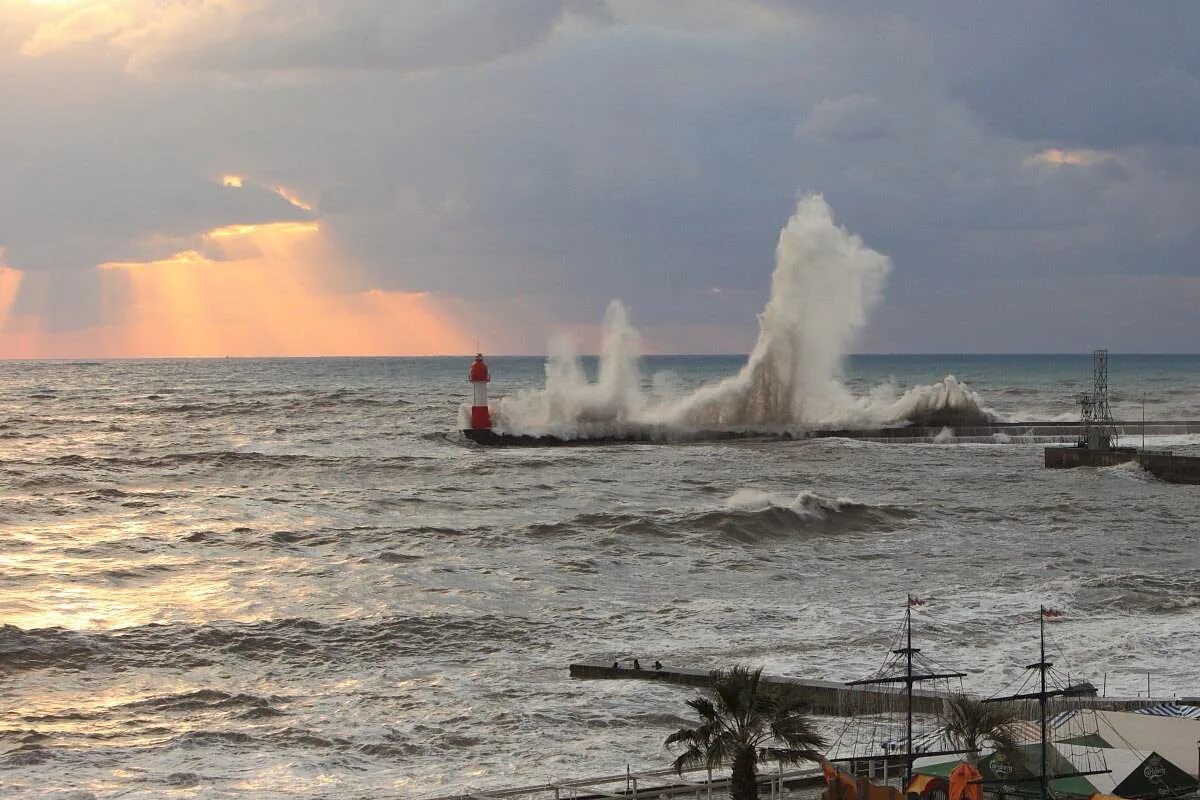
(1096,428)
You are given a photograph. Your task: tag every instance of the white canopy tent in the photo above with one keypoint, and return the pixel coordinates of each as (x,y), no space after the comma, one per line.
(1173,738)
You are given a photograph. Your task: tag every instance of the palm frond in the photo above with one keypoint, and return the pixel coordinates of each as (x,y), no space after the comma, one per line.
(971,724)
(682,736)
(691,757)
(747,715)
(704,707)
(797,732)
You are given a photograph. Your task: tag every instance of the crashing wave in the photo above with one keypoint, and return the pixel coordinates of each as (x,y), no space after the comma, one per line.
(825,284)
(947,403)
(748,516)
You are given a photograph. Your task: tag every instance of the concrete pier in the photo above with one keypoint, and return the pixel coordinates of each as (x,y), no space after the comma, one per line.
(992,433)
(1163,465)
(829,698)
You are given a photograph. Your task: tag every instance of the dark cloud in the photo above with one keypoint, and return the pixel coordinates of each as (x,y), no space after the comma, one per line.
(848,118)
(305,35)
(1099,75)
(571,152)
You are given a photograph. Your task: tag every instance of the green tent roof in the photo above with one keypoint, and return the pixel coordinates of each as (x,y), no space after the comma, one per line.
(1028,765)
(942,770)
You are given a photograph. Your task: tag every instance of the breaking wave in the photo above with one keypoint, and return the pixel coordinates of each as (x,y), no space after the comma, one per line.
(1145,593)
(751,514)
(748,516)
(825,284)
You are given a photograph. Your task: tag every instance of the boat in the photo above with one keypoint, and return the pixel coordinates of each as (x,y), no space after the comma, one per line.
(884,738)
(1064,747)
(1015,772)
(1051,747)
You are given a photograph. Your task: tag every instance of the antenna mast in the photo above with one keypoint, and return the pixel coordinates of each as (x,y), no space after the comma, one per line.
(1096,428)
(1042,666)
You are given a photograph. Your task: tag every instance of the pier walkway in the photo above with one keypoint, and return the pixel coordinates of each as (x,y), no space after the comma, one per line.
(829,698)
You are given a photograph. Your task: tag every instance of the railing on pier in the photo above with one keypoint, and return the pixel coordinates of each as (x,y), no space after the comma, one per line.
(651,785)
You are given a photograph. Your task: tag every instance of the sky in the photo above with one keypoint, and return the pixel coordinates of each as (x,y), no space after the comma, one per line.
(409,177)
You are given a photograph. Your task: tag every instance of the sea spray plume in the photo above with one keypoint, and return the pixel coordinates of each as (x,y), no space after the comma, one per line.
(569,403)
(947,402)
(825,283)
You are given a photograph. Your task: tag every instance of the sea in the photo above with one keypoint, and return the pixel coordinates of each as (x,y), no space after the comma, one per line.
(294,578)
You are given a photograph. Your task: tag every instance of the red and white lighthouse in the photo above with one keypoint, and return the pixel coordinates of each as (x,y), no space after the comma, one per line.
(481,418)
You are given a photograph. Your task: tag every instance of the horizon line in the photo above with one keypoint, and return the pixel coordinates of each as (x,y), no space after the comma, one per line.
(467,355)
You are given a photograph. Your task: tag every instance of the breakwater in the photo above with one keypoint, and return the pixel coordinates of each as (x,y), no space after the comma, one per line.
(992,433)
(1163,465)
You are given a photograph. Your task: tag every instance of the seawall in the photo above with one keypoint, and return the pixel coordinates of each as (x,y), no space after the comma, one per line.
(997,432)
(1165,466)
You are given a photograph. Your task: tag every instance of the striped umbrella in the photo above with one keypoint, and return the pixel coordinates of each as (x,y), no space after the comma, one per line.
(1171,710)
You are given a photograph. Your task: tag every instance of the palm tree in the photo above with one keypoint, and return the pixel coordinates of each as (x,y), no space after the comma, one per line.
(972,724)
(747,721)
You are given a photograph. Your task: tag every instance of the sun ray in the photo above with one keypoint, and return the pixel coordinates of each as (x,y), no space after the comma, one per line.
(10,284)
(249,290)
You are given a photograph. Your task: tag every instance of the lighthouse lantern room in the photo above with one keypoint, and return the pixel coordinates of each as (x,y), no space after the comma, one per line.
(481,418)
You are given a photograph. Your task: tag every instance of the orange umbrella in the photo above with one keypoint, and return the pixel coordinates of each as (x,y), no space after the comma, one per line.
(965,783)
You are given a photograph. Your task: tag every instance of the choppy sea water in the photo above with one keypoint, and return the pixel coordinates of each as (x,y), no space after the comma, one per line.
(292,578)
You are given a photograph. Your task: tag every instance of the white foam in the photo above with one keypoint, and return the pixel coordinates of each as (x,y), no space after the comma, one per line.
(807,503)
(751,500)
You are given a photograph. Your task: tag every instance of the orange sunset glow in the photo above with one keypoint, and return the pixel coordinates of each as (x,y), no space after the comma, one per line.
(10,284)
(258,289)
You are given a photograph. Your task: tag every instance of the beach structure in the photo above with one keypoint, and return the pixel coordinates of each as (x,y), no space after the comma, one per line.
(1068,742)
(1170,729)
(1131,774)
(1041,772)
(905,733)
(1072,753)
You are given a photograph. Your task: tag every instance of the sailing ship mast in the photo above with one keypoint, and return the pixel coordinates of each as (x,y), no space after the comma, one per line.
(1043,666)
(909,679)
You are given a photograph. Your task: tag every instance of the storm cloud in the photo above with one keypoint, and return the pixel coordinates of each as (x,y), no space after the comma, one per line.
(1031,169)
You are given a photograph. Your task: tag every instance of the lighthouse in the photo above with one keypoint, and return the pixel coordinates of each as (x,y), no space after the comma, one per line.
(481,418)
